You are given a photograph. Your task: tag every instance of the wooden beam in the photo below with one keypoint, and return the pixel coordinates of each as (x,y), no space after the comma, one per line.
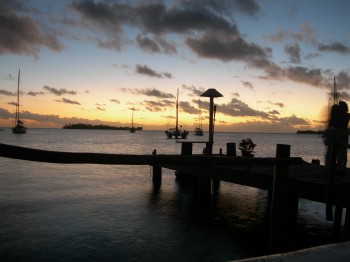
(39,155)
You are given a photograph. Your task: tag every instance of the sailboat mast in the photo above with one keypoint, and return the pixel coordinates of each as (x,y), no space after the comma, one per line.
(199,114)
(132,118)
(17,104)
(334,92)
(177,110)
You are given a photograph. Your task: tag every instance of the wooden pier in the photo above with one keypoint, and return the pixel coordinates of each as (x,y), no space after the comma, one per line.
(285,178)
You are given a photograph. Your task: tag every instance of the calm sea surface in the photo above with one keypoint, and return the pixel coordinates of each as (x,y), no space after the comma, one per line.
(56,212)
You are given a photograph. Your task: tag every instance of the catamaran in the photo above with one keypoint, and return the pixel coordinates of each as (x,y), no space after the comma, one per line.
(176,132)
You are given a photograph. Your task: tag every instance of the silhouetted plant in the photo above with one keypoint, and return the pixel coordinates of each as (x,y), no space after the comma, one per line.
(247,147)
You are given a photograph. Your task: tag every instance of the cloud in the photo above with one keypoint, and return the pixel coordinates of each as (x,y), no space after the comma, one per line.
(115,101)
(343,80)
(145,70)
(228,48)
(312,55)
(293,51)
(293,121)
(246,7)
(306,33)
(335,47)
(301,74)
(154,18)
(281,105)
(238,108)
(279,36)
(31,93)
(59,92)
(9,77)
(149,92)
(155,45)
(158,106)
(100,108)
(194,91)
(248,85)
(274,112)
(206,27)
(343,95)
(4,114)
(21,34)
(6,93)
(187,108)
(249,7)
(67,101)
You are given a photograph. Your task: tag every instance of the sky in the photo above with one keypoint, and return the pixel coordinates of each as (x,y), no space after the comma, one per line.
(274,62)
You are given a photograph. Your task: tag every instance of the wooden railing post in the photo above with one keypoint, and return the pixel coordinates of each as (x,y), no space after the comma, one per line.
(186,148)
(279,210)
(157,172)
(231,149)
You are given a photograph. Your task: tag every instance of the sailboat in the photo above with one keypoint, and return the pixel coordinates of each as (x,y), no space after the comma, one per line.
(198,131)
(176,132)
(132,128)
(19,127)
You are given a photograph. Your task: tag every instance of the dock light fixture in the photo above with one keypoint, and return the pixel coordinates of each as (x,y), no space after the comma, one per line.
(211,93)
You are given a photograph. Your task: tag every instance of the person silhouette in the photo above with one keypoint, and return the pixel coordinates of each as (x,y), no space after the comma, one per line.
(337,134)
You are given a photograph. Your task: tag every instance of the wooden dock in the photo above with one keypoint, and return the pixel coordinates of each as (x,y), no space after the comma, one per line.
(285,178)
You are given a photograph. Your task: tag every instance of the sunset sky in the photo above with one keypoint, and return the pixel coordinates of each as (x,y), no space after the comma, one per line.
(93,61)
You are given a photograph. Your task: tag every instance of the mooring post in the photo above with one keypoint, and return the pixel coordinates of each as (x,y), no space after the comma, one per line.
(278,215)
(157,172)
(186,148)
(231,149)
(204,187)
(204,183)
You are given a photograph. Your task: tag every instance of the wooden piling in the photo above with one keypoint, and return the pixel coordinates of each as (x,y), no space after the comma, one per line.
(278,215)
(231,149)
(204,188)
(209,148)
(186,148)
(157,172)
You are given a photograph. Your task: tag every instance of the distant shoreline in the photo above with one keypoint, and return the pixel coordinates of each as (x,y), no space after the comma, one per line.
(104,127)
(319,132)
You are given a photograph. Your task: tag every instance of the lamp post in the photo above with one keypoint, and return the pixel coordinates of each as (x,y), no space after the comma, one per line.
(211,93)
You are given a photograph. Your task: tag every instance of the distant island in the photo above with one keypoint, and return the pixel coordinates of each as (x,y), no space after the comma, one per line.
(319,132)
(89,126)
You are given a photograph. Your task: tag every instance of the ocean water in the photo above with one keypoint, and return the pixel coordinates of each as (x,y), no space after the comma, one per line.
(88,212)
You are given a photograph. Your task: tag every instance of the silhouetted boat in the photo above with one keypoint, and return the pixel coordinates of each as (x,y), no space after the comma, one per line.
(19,127)
(198,131)
(176,132)
(132,128)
